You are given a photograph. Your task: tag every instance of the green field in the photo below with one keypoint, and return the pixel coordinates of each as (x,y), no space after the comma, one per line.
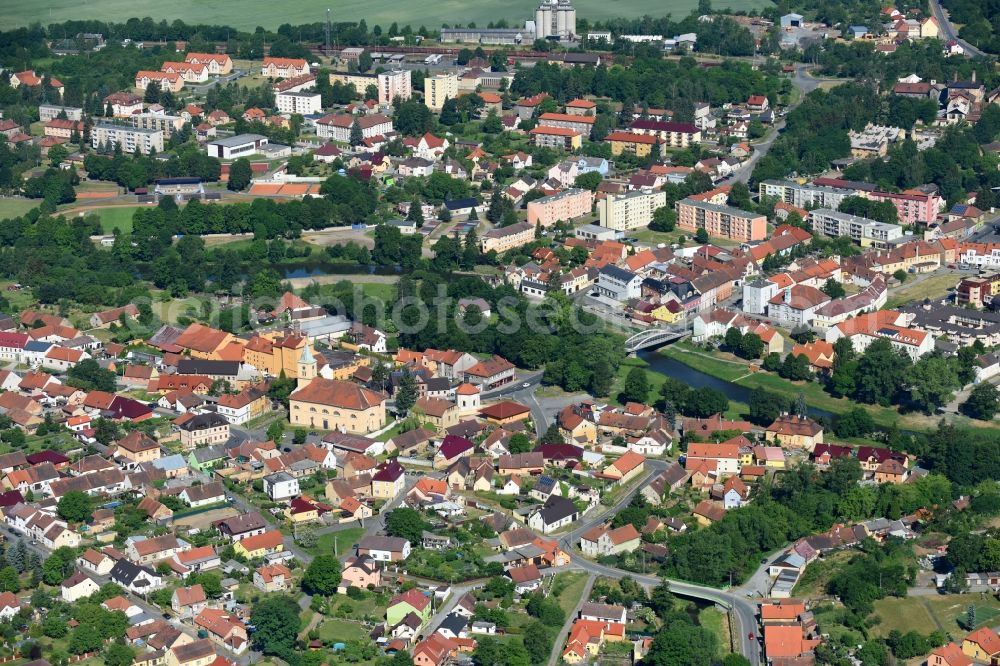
(252,13)
(925,614)
(117,217)
(16,207)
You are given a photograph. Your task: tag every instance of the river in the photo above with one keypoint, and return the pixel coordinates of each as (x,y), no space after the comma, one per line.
(698,379)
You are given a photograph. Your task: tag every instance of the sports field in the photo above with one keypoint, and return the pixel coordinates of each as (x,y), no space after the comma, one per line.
(248,14)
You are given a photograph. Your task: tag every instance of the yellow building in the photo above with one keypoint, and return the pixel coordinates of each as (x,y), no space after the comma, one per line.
(981,645)
(330,404)
(138,447)
(260,545)
(275,352)
(439,88)
(663,313)
(640,145)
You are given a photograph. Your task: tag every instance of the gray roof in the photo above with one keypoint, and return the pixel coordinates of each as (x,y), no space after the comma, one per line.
(237,140)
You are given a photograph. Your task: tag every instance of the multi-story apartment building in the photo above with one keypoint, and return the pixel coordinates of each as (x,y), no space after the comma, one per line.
(673,135)
(560,138)
(216,63)
(912,206)
(166,80)
(129,138)
(393,84)
(581,124)
(720,221)
(861,230)
(804,195)
(191,72)
(564,206)
(166,124)
(507,238)
(439,88)
(47,112)
(337,126)
(630,210)
(304,103)
(284,68)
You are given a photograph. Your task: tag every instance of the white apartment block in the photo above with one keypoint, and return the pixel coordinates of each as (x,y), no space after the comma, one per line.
(630,210)
(303,103)
(129,138)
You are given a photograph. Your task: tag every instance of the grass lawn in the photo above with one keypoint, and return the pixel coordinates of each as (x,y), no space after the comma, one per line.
(13,207)
(935,287)
(170,311)
(120,217)
(338,542)
(925,614)
(382,291)
(340,631)
(714,621)
(248,15)
(572,584)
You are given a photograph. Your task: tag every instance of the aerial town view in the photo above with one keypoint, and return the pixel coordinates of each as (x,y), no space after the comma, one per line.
(506,333)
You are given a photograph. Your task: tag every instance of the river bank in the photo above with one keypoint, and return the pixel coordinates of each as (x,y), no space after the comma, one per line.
(733,377)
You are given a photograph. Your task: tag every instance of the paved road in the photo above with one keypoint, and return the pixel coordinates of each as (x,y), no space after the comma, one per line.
(948,30)
(806,83)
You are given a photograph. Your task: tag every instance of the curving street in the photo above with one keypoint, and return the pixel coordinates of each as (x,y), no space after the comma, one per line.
(744,611)
(948,30)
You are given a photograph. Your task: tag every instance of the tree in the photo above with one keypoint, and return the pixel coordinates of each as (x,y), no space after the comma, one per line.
(701,236)
(900,275)
(276,617)
(74,506)
(88,375)
(406,523)
(275,431)
(416,213)
(588,181)
(152,93)
(664,219)
(970,617)
(85,638)
(983,402)
(636,387)
(833,289)
(493,652)
(322,576)
(538,641)
(118,654)
(240,175)
(519,443)
(356,137)
(932,381)
(449,112)
(406,393)
(733,338)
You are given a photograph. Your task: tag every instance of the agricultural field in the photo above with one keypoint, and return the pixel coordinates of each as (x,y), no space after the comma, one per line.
(252,13)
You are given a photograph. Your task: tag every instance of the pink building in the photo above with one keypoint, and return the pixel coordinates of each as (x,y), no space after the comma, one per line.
(912,206)
(565,205)
(720,221)
(394,84)
(360,571)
